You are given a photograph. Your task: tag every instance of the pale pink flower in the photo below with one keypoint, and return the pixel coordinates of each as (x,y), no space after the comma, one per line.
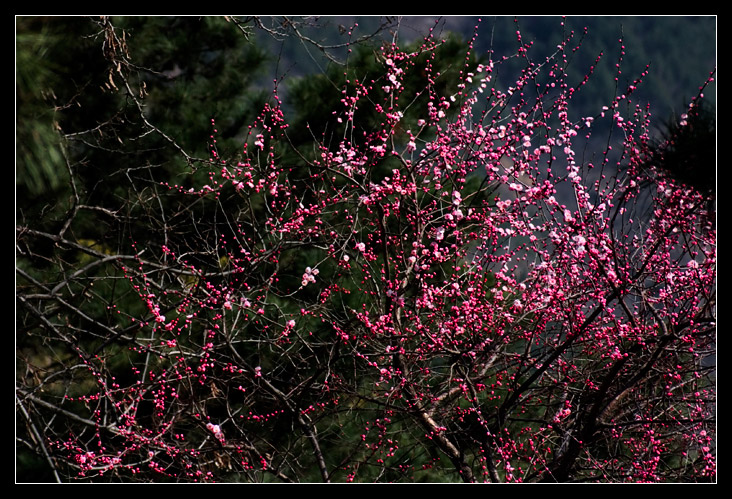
(456,198)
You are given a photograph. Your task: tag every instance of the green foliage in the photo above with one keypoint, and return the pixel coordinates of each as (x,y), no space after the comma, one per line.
(201,69)
(687,150)
(316,99)
(40,165)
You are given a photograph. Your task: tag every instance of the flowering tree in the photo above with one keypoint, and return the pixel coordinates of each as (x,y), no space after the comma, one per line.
(456,289)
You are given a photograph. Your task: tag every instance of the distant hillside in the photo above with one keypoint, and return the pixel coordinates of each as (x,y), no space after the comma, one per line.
(680,50)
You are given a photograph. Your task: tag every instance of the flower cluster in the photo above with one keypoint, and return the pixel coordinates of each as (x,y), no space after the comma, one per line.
(216,430)
(309,275)
(510,305)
